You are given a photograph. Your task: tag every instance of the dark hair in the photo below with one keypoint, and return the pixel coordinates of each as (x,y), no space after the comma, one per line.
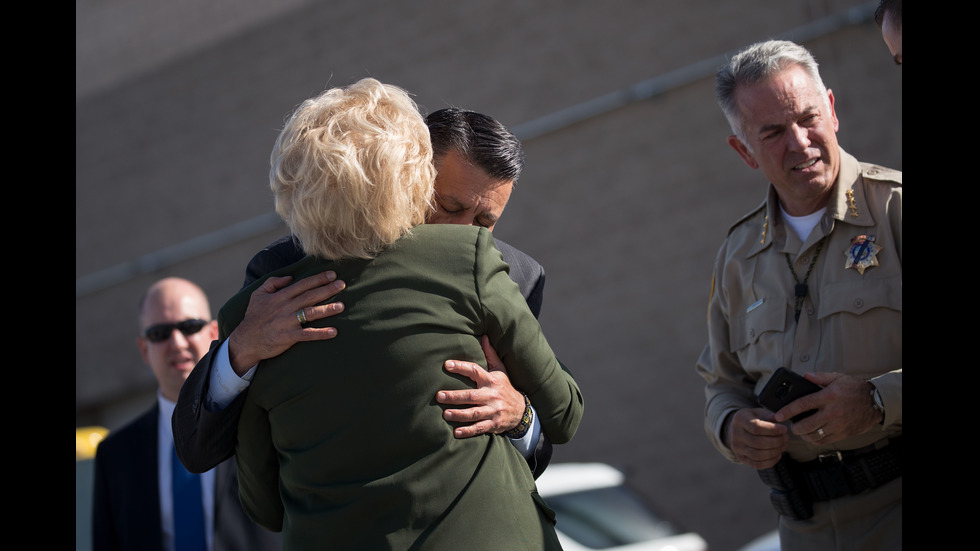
(891,8)
(478,138)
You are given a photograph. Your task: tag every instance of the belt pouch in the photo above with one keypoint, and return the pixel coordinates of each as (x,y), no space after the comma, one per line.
(788,490)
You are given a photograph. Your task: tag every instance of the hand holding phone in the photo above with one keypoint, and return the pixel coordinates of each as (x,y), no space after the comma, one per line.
(786,386)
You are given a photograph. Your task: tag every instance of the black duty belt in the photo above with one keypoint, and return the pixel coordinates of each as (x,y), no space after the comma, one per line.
(795,485)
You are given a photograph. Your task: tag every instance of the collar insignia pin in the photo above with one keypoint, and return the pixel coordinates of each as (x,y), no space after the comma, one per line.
(852,204)
(862,254)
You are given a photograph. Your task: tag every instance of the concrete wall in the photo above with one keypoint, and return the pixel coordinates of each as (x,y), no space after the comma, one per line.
(624,202)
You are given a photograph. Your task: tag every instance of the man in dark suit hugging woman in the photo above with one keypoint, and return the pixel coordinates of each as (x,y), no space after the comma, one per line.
(341,442)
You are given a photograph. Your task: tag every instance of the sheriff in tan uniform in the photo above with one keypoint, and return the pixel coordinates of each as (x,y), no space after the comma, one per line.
(851,317)
(811,280)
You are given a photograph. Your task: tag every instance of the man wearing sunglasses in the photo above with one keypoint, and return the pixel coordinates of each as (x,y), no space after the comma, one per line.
(138,499)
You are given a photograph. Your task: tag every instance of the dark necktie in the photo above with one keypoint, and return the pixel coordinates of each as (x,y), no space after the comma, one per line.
(188,508)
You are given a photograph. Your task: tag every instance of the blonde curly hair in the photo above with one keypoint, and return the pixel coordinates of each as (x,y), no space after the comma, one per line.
(352,170)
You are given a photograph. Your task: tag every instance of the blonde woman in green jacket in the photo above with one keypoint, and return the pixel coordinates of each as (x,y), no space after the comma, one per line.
(341,443)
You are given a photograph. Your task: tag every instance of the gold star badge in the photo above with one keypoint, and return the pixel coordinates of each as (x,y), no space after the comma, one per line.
(862,253)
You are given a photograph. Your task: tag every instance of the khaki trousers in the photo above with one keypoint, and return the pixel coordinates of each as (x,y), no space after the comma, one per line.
(869,521)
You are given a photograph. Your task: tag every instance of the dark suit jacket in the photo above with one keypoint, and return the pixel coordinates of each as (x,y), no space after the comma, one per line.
(126,496)
(204,438)
(341,442)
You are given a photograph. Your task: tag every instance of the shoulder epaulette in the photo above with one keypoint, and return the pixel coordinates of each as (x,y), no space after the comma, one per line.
(880,173)
(747,217)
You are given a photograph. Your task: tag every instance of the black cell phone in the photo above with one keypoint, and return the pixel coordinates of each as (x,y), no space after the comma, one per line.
(784,387)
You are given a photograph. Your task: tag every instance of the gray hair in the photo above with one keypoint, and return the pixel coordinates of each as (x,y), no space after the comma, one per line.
(756,63)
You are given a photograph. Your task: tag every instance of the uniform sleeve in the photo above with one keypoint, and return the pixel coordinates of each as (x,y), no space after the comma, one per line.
(517,338)
(889,384)
(726,389)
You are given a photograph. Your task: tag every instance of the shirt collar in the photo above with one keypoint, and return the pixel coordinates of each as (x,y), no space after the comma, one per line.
(848,204)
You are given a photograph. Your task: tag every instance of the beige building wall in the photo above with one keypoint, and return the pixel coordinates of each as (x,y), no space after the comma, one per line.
(628,191)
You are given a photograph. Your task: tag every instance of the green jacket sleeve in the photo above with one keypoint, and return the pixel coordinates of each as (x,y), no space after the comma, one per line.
(258,463)
(258,468)
(516,336)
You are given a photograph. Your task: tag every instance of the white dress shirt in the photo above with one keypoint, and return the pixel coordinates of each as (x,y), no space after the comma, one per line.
(165,441)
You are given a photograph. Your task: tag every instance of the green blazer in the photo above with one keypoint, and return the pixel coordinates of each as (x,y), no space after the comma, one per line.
(341,443)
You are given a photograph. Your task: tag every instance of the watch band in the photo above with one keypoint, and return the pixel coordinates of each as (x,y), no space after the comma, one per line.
(877,402)
(521,429)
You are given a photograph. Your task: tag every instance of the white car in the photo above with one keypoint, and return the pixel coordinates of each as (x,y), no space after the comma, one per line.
(594,510)
(766,542)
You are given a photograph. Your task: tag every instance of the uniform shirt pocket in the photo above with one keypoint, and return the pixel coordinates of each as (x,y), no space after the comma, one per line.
(759,319)
(862,325)
(757,336)
(860,296)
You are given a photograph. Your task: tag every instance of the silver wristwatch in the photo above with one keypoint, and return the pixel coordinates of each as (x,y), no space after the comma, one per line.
(877,402)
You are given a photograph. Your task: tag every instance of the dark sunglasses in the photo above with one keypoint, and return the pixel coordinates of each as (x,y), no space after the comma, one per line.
(161,331)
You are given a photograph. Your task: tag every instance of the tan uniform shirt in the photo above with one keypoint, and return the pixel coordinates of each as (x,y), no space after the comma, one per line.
(850,322)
